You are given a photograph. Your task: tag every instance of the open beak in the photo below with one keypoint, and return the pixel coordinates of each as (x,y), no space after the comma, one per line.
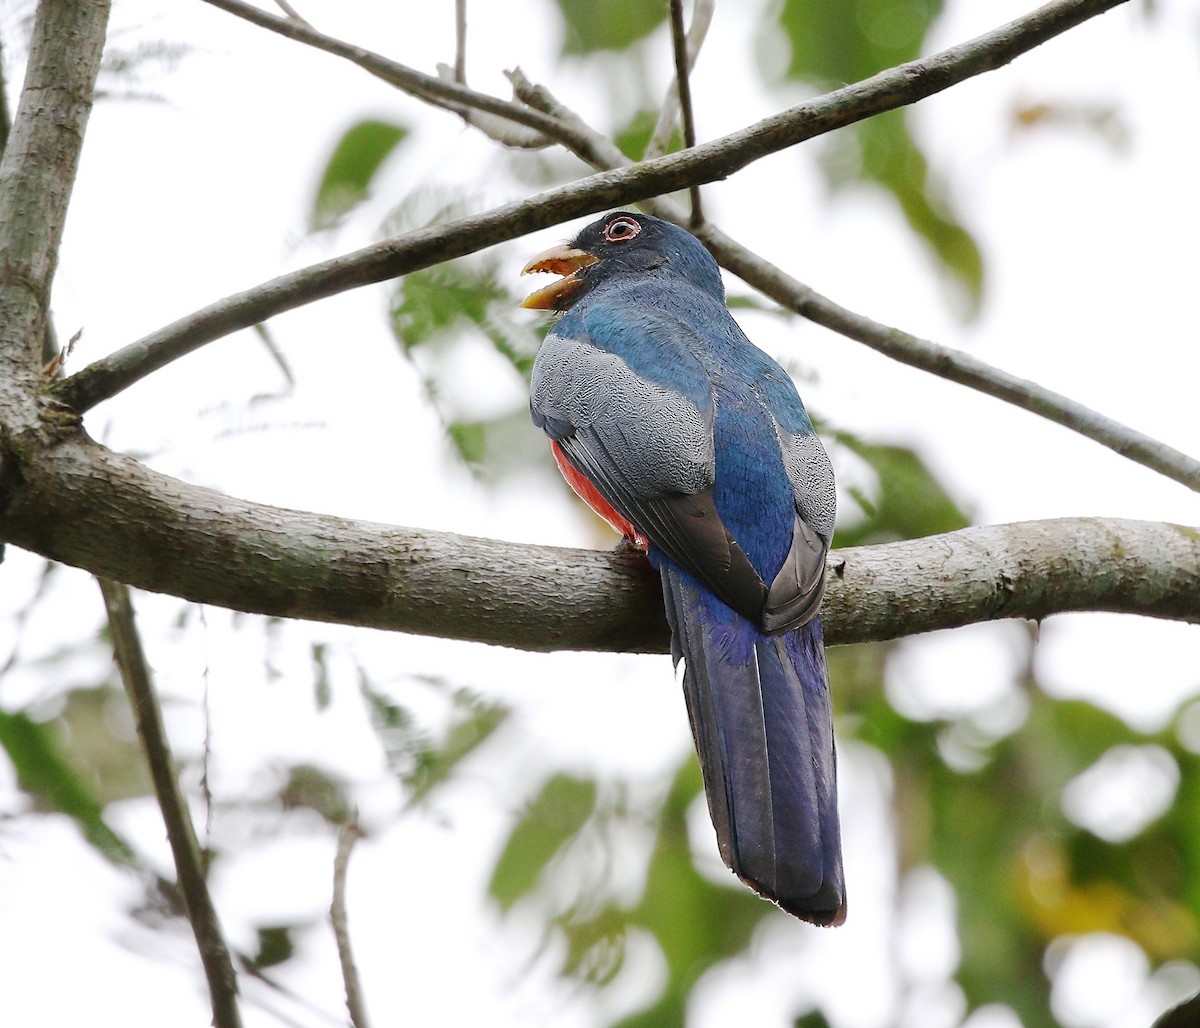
(558,260)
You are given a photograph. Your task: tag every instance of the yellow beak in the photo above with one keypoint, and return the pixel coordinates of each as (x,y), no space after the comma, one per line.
(558,260)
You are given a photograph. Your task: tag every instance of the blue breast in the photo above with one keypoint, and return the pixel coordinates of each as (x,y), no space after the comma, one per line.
(682,338)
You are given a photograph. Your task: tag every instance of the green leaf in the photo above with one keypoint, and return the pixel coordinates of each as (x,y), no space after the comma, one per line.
(635,136)
(398,732)
(833,43)
(350,169)
(696,922)
(497,446)
(428,306)
(322,690)
(310,788)
(595,945)
(470,439)
(608,24)
(474,721)
(891,158)
(421,761)
(555,816)
(911,502)
(275,946)
(45,772)
(461,304)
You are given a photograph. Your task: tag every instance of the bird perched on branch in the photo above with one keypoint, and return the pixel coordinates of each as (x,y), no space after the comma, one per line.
(694,444)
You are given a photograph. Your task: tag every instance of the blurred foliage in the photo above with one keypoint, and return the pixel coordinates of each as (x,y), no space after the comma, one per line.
(48,774)
(833,44)
(276,946)
(349,170)
(430,311)
(74,752)
(978,796)
(421,759)
(906,501)
(608,25)
(1104,122)
(635,136)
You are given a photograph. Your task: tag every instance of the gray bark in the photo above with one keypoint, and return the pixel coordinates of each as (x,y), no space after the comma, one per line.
(87,506)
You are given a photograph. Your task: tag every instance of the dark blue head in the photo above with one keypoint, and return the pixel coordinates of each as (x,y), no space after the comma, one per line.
(619,245)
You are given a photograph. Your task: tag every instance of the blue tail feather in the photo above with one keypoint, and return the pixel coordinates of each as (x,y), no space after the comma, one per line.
(762,723)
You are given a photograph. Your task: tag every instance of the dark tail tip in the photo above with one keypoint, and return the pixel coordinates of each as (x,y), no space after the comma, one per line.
(825,908)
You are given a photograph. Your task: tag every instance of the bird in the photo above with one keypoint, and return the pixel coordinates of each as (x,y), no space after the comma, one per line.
(694,444)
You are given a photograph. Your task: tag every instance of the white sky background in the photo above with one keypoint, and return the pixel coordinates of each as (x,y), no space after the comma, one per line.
(1091,290)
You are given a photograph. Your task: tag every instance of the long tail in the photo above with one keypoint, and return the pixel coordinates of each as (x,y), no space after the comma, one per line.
(761,718)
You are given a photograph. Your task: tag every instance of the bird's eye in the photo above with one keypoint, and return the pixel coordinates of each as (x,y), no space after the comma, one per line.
(621,230)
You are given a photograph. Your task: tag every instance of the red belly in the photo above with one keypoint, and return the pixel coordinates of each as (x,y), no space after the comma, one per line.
(588,493)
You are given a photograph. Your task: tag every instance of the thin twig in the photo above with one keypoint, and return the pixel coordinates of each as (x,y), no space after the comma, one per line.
(189,867)
(355,1004)
(460,42)
(679,48)
(668,115)
(5,114)
(206,762)
(952,364)
(108,376)
(497,128)
(291,12)
(707,162)
(439,92)
(570,131)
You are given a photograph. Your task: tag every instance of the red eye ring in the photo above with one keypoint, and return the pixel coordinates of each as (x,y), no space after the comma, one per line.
(621,230)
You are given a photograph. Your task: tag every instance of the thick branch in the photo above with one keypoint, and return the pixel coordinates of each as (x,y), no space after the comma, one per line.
(896,87)
(86,506)
(36,175)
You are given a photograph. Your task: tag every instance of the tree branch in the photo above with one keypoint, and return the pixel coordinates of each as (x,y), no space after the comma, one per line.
(717,159)
(5,116)
(679,48)
(189,867)
(446,93)
(702,13)
(901,346)
(952,364)
(568,129)
(460,42)
(355,1002)
(87,506)
(37,173)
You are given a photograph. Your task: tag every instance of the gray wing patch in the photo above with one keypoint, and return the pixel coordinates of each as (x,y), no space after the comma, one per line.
(811,474)
(650,453)
(794,597)
(659,441)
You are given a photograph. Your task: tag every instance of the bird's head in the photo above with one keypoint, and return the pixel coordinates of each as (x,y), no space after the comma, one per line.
(621,245)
